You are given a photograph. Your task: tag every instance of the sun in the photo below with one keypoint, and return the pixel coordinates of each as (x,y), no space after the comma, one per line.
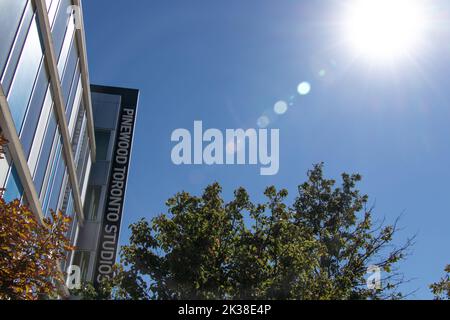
(384,29)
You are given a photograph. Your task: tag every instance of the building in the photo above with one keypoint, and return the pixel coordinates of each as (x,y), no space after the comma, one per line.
(115,112)
(47,116)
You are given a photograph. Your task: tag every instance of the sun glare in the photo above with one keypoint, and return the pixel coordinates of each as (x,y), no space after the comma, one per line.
(384,29)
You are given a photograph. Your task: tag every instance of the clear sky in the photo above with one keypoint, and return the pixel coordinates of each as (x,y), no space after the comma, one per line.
(227,62)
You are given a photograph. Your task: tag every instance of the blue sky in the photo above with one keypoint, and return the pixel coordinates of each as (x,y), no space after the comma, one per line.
(227,62)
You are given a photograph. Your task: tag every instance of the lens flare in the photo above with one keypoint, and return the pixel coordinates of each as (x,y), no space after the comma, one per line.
(383,29)
(304,88)
(263,122)
(280,107)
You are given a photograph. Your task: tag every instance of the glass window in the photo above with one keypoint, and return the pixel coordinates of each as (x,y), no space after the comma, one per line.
(92,202)
(73,91)
(67,195)
(60,25)
(83,160)
(11,14)
(78,133)
(85,174)
(82,155)
(44,157)
(39,135)
(69,74)
(74,224)
(102,138)
(76,105)
(82,259)
(52,11)
(34,110)
(14,188)
(55,189)
(53,169)
(17,49)
(66,47)
(105,108)
(25,76)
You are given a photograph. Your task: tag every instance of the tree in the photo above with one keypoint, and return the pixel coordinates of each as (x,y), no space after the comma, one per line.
(320,247)
(30,252)
(108,289)
(441,289)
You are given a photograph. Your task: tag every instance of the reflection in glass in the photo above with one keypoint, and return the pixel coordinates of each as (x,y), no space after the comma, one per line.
(102,138)
(34,110)
(14,188)
(14,55)
(44,157)
(60,24)
(25,76)
(11,13)
(92,202)
(81,259)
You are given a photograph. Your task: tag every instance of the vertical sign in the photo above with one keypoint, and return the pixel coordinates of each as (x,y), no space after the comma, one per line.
(112,216)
